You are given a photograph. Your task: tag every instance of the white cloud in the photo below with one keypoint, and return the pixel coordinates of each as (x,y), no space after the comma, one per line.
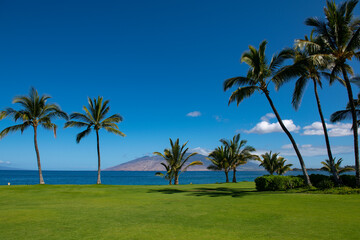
(267,127)
(220,119)
(200,150)
(4,162)
(267,117)
(309,150)
(334,130)
(194,114)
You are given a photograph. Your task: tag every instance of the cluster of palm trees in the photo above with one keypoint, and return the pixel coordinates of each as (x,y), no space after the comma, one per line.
(326,54)
(273,163)
(175,159)
(36,112)
(230,155)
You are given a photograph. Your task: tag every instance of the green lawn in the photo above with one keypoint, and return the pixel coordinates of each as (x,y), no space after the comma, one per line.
(216,211)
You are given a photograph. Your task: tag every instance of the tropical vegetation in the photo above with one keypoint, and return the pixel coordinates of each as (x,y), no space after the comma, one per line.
(259,76)
(273,163)
(175,159)
(94,118)
(327,166)
(220,160)
(35,112)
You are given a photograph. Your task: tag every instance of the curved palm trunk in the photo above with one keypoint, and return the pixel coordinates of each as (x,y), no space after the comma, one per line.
(41,180)
(170,182)
(306,176)
(331,159)
(98,152)
(227,175)
(355,126)
(234,176)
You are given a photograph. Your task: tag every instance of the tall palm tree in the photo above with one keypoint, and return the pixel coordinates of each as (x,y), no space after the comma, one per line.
(341,115)
(239,152)
(282,168)
(260,75)
(270,162)
(35,112)
(94,119)
(313,62)
(176,159)
(328,168)
(340,33)
(220,160)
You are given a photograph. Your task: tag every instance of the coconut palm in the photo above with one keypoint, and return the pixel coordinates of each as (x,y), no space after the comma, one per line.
(239,153)
(35,112)
(341,37)
(94,119)
(282,168)
(328,168)
(169,174)
(260,75)
(341,115)
(270,162)
(220,160)
(312,61)
(176,158)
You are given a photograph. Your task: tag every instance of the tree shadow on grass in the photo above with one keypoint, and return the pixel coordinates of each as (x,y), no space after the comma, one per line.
(209,192)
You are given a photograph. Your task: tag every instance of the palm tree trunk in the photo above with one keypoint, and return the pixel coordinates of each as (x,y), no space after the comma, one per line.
(38,156)
(306,176)
(98,152)
(176,182)
(227,176)
(170,182)
(234,176)
(331,159)
(355,126)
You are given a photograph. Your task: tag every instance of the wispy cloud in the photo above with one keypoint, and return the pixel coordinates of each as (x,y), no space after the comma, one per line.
(5,162)
(220,119)
(309,150)
(194,114)
(266,127)
(334,130)
(200,150)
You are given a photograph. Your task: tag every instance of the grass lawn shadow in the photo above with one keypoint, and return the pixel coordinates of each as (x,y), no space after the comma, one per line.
(207,191)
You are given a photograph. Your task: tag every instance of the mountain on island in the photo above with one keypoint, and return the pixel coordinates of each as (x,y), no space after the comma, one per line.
(152,163)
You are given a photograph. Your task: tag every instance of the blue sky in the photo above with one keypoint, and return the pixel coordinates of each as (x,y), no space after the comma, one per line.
(157,61)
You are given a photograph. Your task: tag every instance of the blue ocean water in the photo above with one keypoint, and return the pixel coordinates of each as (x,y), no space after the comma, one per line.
(15,177)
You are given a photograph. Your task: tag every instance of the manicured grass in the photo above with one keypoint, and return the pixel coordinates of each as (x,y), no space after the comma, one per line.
(216,211)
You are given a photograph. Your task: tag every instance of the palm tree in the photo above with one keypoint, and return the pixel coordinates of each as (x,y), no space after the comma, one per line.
(176,159)
(169,174)
(341,115)
(220,160)
(239,153)
(340,33)
(328,168)
(282,168)
(94,118)
(258,78)
(312,61)
(270,162)
(35,112)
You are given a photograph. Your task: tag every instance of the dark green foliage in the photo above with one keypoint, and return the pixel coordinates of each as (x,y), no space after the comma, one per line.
(325,184)
(348,180)
(278,183)
(317,178)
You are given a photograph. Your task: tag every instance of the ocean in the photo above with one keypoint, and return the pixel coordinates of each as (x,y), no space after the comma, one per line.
(16,177)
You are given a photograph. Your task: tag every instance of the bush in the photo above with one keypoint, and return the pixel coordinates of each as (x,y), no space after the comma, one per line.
(348,180)
(325,184)
(278,183)
(316,179)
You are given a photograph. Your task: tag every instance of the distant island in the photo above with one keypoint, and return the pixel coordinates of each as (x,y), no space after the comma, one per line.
(152,163)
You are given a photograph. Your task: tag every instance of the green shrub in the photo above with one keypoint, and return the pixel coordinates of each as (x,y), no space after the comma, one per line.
(278,183)
(325,184)
(317,178)
(348,180)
